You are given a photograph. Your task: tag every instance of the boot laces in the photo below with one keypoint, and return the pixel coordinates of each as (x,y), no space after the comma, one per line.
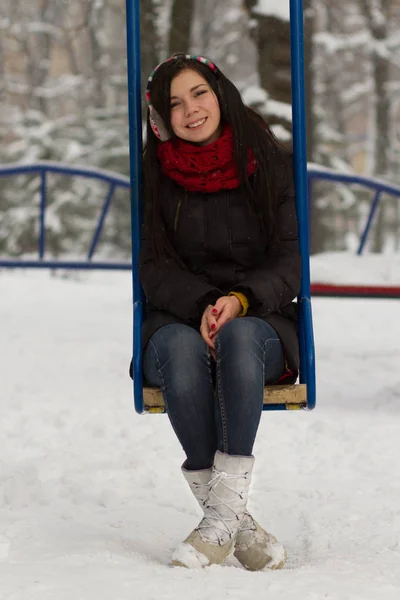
(212,519)
(200,488)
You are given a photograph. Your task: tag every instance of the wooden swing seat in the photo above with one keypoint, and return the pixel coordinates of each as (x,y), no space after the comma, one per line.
(293,397)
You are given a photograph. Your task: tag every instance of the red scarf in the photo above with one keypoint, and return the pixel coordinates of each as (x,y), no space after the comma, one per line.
(203,168)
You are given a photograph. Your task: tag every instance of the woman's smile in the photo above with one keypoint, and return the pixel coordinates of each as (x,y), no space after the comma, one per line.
(197,124)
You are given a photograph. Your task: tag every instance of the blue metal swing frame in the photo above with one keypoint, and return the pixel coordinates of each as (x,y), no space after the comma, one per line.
(307,352)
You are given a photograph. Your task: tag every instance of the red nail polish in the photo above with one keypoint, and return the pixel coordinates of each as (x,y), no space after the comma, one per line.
(214,311)
(213,326)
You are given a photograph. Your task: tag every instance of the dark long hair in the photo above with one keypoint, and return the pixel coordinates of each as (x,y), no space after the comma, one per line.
(249,131)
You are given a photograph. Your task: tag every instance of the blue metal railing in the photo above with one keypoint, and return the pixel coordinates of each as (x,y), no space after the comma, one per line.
(115,180)
(316,172)
(41,169)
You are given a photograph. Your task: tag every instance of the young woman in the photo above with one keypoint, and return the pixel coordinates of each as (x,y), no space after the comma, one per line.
(220,268)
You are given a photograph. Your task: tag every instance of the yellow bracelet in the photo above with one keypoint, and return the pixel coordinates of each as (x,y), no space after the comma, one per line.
(243,301)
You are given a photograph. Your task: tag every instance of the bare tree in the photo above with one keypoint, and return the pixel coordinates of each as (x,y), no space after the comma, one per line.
(377,14)
(309,76)
(221,31)
(149,39)
(63,88)
(272,37)
(181,24)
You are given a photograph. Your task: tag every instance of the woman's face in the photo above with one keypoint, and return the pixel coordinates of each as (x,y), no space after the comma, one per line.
(195,113)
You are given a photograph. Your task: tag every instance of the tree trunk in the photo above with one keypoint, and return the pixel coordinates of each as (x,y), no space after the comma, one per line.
(181,25)
(309,76)
(149,43)
(274,64)
(378,19)
(317,229)
(273,42)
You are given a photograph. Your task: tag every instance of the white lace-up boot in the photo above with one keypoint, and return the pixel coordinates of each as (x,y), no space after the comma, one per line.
(214,538)
(255,548)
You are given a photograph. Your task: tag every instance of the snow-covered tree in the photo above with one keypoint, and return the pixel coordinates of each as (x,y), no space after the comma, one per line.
(271,31)
(63,96)
(356,70)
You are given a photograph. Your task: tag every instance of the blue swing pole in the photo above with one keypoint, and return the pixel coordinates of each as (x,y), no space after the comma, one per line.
(135,161)
(306,337)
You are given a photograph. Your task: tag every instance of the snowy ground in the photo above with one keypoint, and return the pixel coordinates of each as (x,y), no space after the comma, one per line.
(349,268)
(92,503)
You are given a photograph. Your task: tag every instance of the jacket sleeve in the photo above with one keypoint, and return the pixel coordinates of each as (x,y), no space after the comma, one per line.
(275,282)
(169,287)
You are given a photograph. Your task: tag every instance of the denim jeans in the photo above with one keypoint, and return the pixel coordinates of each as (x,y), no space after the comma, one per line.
(214,404)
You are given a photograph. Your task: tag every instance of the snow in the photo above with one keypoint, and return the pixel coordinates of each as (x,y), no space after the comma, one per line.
(63,85)
(281,133)
(275,8)
(254,94)
(349,268)
(334,43)
(189,556)
(356,91)
(281,109)
(92,502)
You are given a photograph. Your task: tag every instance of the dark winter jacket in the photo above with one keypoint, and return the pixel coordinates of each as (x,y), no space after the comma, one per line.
(219,238)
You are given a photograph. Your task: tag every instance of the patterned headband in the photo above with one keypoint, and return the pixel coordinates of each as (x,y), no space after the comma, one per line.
(156,121)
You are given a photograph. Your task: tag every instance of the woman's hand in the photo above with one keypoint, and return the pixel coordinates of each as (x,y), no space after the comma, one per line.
(226,309)
(208,325)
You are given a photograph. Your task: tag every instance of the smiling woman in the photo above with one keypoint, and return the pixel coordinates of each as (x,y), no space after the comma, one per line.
(220,268)
(195,113)
(217,328)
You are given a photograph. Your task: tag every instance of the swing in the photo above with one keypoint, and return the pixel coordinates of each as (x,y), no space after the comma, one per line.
(276,397)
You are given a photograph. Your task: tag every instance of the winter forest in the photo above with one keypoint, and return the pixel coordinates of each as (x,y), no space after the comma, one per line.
(63,97)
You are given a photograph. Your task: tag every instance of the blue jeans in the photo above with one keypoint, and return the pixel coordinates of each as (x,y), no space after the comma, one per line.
(214,404)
